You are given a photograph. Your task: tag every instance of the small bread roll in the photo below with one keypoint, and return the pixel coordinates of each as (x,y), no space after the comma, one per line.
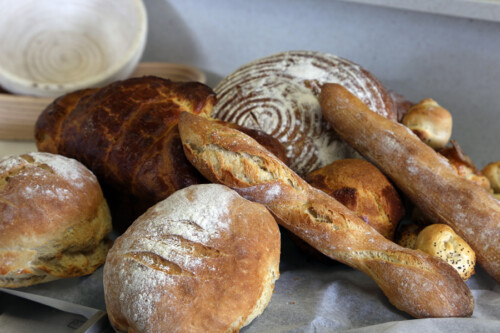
(53,220)
(430,122)
(441,241)
(492,172)
(362,188)
(202,260)
(408,235)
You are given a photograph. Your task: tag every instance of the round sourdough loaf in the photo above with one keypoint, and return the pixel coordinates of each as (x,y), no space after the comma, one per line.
(278,94)
(202,260)
(53,219)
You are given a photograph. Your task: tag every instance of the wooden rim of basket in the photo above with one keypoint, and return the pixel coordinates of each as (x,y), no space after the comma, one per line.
(18,114)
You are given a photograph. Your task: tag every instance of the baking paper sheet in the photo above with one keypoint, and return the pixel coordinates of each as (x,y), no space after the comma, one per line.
(320,296)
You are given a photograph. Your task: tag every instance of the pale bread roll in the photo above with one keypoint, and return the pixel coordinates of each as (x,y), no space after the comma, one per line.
(53,219)
(278,94)
(430,122)
(492,172)
(441,241)
(202,260)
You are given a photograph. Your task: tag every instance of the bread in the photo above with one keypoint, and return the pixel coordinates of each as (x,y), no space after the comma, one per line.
(463,165)
(407,235)
(440,240)
(425,177)
(419,284)
(430,122)
(278,94)
(126,134)
(402,104)
(202,260)
(361,187)
(54,220)
(492,172)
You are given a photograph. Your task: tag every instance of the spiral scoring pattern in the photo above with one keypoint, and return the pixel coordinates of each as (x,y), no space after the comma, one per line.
(279,95)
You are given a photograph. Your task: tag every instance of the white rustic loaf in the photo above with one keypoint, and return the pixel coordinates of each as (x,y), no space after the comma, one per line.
(202,260)
(278,94)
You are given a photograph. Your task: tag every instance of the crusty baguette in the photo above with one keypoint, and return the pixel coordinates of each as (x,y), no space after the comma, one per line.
(413,281)
(422,174)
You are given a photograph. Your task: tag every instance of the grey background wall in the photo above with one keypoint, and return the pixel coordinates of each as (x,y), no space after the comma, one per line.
(451,58)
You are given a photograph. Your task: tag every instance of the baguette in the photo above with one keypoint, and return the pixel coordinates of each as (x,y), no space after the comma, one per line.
(423,175)
(414,282)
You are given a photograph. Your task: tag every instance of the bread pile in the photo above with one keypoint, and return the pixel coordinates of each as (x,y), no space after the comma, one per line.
(54,220)
(290,138)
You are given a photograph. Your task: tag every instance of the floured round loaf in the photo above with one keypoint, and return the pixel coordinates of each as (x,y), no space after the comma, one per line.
(53,219)
(202,260)
(278,94)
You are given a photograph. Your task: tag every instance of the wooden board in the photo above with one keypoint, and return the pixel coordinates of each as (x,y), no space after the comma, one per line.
(18,114)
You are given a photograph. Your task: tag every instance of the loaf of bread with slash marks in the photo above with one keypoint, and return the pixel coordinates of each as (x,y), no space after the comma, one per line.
(126,133)
(426,177)
(414,282)
(202,260)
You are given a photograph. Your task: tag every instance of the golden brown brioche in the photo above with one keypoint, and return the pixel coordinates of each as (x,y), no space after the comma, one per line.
(492,172)
(361,187)
(430,122)
(417,283)
(202,260)
(441,241)
(126,133)
(278,94)
(425,176)
(463,165)
(53,220)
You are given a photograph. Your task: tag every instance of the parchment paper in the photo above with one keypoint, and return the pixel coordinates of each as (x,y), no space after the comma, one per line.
(315,295)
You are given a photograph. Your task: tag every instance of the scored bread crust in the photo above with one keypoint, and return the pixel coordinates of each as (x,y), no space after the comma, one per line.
(362,188)
(426,177)
(126,133)
(278,95)
(413,281)
(202,260)
(53,220)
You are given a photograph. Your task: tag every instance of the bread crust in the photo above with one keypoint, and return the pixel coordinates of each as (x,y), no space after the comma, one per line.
(278,94)
(202,260)
(414,282)
(362,188)
(426,177)
(126,133)
(54,220)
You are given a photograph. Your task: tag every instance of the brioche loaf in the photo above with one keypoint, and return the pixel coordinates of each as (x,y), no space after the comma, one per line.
(419,284)
(425,176)
(53,220)
(202,260)
(126,133)
(361,187)
(278,94)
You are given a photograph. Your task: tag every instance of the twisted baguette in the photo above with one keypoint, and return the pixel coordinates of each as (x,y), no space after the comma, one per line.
(425,176)
(414,282)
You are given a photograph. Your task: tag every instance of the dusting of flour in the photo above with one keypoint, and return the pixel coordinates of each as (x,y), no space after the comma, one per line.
(197,214)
